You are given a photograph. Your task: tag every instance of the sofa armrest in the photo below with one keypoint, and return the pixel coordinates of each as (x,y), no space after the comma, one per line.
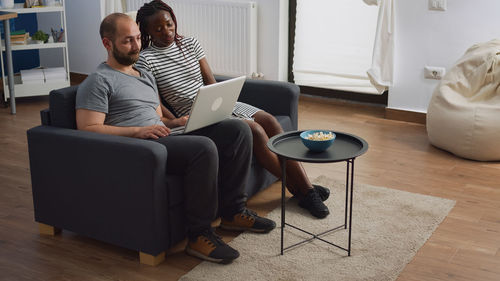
(45,116)
(106,187)
(275,97)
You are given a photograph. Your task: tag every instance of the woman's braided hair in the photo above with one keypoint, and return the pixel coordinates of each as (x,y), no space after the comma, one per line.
(148,10)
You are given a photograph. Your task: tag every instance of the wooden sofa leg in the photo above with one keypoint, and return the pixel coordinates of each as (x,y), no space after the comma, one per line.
(150,259)
(46,229)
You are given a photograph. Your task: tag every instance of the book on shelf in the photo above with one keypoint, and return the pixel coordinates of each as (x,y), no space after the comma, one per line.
(18,32)
(19,39)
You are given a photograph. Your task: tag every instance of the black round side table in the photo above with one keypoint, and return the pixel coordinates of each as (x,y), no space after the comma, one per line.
(346,147)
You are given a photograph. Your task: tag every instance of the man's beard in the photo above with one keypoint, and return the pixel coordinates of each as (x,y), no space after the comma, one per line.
(125,59)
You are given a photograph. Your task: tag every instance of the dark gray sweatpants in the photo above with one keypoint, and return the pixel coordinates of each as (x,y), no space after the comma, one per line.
(214,163)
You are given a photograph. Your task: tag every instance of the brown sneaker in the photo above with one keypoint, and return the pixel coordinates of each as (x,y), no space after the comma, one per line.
(247,220)
(209,246)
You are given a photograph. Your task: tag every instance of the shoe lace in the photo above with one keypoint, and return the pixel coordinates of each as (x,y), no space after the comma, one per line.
(248,214)
(314,197)
(211,238)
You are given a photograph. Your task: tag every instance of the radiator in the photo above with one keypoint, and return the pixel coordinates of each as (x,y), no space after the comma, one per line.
(227,31)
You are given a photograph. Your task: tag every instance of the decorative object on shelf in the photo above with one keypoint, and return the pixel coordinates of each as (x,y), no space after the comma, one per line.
(40,36)
(32,3)
(58,36)
(49,2)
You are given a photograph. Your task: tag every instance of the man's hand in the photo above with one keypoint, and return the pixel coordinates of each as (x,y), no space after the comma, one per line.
(152,132)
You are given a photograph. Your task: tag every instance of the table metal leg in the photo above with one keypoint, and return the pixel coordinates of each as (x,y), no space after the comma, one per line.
(283,186)
(349,185)
(346,194)
(10,70)
(350,206)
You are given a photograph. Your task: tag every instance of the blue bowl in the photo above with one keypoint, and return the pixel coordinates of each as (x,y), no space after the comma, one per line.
(316,145)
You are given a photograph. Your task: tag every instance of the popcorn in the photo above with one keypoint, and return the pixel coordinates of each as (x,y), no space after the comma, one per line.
(320,136)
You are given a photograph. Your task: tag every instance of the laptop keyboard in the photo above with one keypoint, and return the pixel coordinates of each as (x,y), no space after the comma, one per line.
(177,130)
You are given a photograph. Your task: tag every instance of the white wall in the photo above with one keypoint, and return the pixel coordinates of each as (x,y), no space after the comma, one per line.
(50,57)
(434,38)
(86,51)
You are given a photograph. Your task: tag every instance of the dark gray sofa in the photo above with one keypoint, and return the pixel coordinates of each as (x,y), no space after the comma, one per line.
(116,189)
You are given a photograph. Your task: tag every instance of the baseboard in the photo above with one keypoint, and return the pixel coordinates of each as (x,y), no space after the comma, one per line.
(403,115)
(345,95)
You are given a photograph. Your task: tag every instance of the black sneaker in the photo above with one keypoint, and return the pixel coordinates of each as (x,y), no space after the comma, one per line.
(313,203)
(323,192)
(209,246)
(247,220)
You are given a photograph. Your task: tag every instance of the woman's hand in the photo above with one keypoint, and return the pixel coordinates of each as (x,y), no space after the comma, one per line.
(176,122)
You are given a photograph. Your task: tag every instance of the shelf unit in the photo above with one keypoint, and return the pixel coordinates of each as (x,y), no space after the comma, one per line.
(28,89)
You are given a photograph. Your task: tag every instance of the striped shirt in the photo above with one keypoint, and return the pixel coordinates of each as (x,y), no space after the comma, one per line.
(178,75)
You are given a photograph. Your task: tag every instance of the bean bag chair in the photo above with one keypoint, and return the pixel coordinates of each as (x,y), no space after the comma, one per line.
(463,116)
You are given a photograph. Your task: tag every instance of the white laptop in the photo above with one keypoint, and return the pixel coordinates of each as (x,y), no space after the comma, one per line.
(212,104)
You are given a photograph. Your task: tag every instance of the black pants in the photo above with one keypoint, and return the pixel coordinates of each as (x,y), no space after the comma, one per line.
(214,163)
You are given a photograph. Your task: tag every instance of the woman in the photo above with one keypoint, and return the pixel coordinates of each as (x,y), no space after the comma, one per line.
(180,69)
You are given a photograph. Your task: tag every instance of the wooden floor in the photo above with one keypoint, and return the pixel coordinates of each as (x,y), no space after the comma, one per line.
(466,246)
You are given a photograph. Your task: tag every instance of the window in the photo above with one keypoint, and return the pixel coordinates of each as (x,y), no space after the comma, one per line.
(334,44)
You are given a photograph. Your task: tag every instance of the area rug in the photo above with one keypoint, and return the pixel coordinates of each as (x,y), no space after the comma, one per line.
(389,226)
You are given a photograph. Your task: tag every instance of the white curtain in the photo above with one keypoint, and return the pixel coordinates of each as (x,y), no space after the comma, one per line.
(334,44)
(380,73)
(113,6)
(134,5)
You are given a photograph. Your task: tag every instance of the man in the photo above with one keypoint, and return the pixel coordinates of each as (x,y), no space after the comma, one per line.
(120,99)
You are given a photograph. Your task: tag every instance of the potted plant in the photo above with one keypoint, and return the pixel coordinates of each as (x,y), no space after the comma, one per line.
(40,36)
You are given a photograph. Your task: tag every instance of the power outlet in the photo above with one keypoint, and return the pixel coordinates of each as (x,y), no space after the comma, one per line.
(434,72)
(437,5)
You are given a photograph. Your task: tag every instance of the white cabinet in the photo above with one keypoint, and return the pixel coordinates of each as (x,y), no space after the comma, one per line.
(24,90)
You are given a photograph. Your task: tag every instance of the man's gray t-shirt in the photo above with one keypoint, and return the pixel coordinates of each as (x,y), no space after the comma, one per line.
(127,100)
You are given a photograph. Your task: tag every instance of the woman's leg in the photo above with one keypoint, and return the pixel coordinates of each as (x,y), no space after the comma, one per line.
(266,126)
(298,183)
